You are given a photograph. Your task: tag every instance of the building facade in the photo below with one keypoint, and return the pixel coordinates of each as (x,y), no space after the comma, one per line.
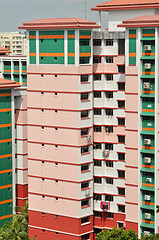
(92,107)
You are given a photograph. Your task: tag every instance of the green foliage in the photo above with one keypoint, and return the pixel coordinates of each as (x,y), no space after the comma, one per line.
(117,233)
(121,234)
(17,228)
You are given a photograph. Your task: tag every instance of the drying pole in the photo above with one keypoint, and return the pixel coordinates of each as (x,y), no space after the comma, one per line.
(85,9)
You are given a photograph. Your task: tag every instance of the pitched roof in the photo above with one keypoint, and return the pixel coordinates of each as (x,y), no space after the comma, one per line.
(4,83)
(54,23)
(142,21)
(4,50)
(126,4)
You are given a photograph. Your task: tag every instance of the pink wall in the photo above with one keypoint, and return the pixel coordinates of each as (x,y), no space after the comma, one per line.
(131,121)
(132,212)
(131,84)
(131,103)
(132,176)
(132,139)
(131,157)
(131,194)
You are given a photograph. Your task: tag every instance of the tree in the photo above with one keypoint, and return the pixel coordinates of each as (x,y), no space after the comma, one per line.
(151,237)
(117,233)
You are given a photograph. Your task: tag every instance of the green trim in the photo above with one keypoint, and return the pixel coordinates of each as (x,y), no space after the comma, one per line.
(148,151)
(149,95)
(147,225)
(147,114)
(148,58)
(144,188)
(151,170)
(145,206)
(147,76)
(147,38)
(147,132)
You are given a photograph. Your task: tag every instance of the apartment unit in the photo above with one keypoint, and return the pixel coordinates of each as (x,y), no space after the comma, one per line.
(15,42)
(13,142)
(92,103)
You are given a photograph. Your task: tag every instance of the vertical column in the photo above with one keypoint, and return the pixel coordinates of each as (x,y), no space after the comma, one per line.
(76,47)
(156,123)
(65,48)
(37,47)
(27,39)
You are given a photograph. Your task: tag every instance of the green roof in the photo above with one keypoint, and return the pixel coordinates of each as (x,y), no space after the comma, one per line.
(143,169)
(145,206)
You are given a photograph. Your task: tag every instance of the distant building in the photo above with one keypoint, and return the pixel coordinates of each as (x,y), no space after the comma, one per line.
(15,42)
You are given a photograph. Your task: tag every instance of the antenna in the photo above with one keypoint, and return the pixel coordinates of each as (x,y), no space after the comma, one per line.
(85,9)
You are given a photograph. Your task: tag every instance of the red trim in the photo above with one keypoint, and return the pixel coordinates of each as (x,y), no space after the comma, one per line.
(131,203)
(131,93)
(53,196)
(121,187)
(131,185)
(46,91)
(110,73)
(102,90)
(119,204)
(86,100)
(111,194)
(60,180)
(21,109)
(49,126)
(85,171)
(121,117)
(44,73)
(86,206)
(105,160)
(132,74)
(131,130)
(17,139)
(86,152)
(105,177)
(83,189)
(22,169)
(104,108)
(131,166)
(67,110)
(22,154)
(86,117)
(63,145)
(85,82)
(120,170)
(131,148)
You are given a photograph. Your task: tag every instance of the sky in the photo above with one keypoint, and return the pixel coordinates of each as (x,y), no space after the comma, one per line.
(15,12)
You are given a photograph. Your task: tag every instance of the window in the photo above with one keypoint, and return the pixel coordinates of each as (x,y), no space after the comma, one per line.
(109,59)
(97,42)
(109,77)
(121,139)
(121,156)
(84,220)
(121,191)
(121,86)
(84,96)
(97,163)
(97,95)
(108,146)
(109,94)
(97,146)
(97,197)
(84,60)
(84,114)
(96,59)
(121,208)
(109,180)
(109,129)
(84,202)
(84,149)
(109,42)
(121,69)
(97,77)
(97,129)
(84,42)
(84,78)
(97,111)
(120,225)
(121,121)
(97,214)
(109,112)
(84,131)
(98,180)
(121,46)
(84,167)
(109,198)
(109,215)
(84,185)
(109,163)
(121,104)
(121,174)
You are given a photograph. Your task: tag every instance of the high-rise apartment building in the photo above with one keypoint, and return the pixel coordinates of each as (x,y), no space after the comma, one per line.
(92,103)
(15,42)
(13,136)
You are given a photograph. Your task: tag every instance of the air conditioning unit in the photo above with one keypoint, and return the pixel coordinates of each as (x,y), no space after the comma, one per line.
(147,160)
(87,192)
(89,138)
(105,153)
(148,48)
(147,65)
(148,180)
(147,141)
(148,216)
(146,233)
(147,85)
(147,197)
(105,205)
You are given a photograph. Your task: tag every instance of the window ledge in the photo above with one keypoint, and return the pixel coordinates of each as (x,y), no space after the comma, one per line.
(85,100)
(83,224)
(85,171)
(85,82)
(83,136)
(85,153)
(86,206)
(83,189)
(85,118)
